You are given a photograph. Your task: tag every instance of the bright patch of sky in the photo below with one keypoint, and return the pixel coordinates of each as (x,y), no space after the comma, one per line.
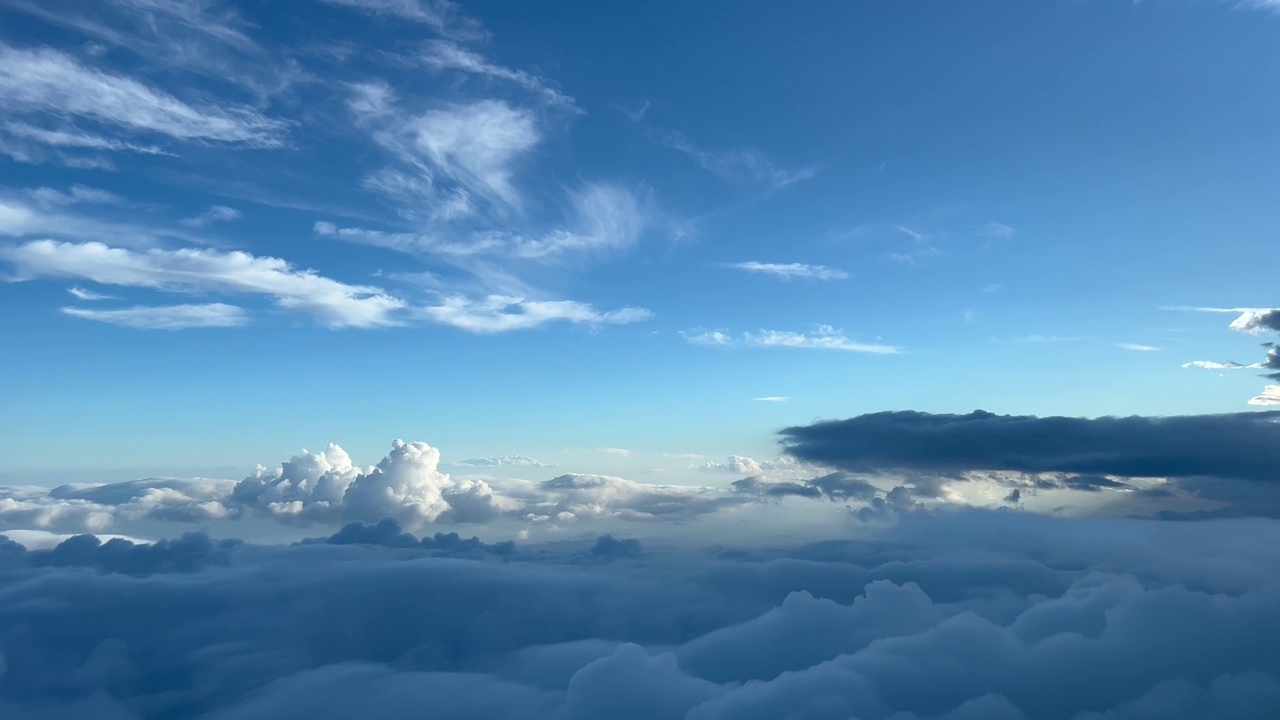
(606,237)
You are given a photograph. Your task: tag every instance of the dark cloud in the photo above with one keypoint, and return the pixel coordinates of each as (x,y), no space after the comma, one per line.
(834,486)
(959,615)
(1242,446)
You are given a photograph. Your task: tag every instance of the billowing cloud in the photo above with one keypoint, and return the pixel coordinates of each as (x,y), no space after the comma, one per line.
(956,616)
(1270,396)
(1242,446)
(206,270)
(1256,322)
(790,271)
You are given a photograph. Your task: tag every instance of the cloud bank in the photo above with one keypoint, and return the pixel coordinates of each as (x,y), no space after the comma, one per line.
(959,616)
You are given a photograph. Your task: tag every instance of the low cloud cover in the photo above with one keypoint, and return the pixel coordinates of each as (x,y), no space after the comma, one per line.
(969,615)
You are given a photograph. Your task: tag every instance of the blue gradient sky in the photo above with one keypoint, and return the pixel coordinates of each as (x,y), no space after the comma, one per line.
(948,206)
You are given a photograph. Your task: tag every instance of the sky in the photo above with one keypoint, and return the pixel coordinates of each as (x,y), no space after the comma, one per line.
(229,232)
(904,360)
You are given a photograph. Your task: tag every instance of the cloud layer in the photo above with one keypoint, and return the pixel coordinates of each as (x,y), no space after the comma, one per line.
(960,616)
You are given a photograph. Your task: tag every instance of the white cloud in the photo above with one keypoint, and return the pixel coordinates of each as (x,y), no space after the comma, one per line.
(738,165)
(445,55)
(205,270)
(442,16)
(475,145)
(167,317)
(773,399)
(215,213)
(500,313)
(87,295)
(788,271)
(1270,396)
(620,452)
(508,460)
(1137,348)
(45,81)
(1213,365)
(824,337)
(1256,322)
(72,137)
(604,217)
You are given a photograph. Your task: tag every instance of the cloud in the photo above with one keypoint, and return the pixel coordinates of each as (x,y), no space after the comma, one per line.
(958,616)
(501,313)
(215,213)
(445,55)
(75,138)
(1137,348)
(744,165)
(789,271)
(35,83)
(87,295)
(773,399)
(824,337)
(996,230)
(1213,365)
(1241,446)
(620,452)
(167,317)
(1270,396)
(473,146)
(205,270)
(1256,322)
(603,218)
(442,16)
(508,460)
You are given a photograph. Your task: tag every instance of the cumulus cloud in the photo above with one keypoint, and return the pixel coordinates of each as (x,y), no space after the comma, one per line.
(824,337)
(1270,396)
(958,616)
(790,271)
(1256,322)
(327,487)
(1214,365)
(206,270)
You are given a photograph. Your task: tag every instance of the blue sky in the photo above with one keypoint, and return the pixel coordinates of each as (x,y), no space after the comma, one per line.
(599,234)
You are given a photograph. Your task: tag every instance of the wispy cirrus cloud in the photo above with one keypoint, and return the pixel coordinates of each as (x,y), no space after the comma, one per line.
(167,317)
(215,213)
(743,165)
(1136,347)
(823,337)
(773,399)
(450,156)
(499,313)
(790,271)
(602,217)
(80,293)
(446,55)
(334,303)
(42,82)
(442,16)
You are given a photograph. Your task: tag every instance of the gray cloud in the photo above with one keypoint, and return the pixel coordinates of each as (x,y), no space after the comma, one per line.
(1244,446)
(963,616)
